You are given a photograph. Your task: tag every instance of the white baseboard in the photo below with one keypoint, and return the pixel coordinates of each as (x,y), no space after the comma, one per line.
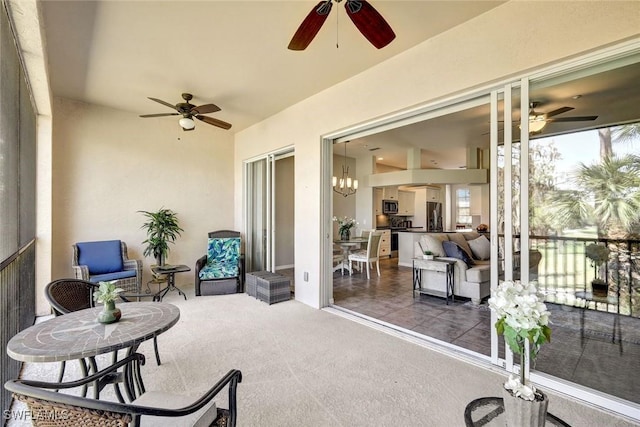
(284,267)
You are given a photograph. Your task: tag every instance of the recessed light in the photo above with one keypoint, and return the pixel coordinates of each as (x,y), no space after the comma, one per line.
(576,96)
(380,158)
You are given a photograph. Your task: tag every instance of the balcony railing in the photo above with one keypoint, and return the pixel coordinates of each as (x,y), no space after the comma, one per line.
(565,270)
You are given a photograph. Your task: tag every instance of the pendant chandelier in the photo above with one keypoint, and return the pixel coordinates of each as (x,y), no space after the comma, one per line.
(345,185)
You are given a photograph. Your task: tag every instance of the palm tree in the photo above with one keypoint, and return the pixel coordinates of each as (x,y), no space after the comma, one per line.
(607,194)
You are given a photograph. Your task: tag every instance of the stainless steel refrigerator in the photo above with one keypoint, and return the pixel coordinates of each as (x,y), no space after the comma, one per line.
(434,216)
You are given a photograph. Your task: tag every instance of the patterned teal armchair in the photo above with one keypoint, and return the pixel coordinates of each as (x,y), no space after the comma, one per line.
(221,270)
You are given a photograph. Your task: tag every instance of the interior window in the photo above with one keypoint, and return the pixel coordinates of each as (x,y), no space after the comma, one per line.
(463,207)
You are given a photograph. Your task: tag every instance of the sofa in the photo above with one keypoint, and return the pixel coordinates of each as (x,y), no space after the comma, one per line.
(472,271)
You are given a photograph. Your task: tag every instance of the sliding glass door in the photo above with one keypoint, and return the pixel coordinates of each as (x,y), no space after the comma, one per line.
(260,210)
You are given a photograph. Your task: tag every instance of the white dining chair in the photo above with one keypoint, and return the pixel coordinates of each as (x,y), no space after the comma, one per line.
(369,255)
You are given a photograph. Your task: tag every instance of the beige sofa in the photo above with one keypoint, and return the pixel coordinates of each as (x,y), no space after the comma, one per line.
(471,280)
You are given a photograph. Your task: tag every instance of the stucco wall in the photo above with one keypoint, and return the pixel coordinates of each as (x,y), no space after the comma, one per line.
(503,42)
(109,164)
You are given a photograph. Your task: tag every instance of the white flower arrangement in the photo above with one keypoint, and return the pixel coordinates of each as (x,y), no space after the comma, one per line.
(344,223)
(521,317)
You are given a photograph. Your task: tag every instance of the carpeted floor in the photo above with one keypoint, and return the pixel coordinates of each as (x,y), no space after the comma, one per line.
(308,367)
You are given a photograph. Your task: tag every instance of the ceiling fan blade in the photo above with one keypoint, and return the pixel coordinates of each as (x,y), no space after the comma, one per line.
(574,119)
(370,23)
(558,111)
(204,109)
(163,103)
(215,122)
(160,115)
(310,26)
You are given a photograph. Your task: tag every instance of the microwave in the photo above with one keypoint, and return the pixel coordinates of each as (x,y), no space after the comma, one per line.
(389,206)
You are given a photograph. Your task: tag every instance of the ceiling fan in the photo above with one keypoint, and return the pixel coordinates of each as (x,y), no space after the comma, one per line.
(538,120)
(188,111)
(368,21)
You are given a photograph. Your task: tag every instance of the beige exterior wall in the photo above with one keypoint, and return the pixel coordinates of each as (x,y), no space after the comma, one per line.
(109,164)
(501,43)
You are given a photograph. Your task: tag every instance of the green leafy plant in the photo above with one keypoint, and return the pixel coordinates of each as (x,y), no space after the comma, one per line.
(344,224)
(162,228)
(106,292)
(428,253)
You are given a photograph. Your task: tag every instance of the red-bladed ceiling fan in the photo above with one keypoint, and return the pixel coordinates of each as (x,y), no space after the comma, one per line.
(188,111)
(368,21)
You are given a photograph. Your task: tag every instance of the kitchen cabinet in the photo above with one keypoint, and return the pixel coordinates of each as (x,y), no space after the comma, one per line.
(433,194)
(406,203)
(390,193)
(377,200)
(385,243)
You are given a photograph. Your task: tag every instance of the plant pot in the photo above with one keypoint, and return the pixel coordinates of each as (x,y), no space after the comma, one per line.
(110,313)
(345,235)
(525,413)
(599,288)
(428,257)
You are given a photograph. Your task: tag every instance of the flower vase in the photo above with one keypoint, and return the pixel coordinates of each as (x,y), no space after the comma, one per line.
(345,235)
(110,313)
(525,413)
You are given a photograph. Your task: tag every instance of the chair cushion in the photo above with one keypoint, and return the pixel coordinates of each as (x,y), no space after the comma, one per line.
(454,250)
(112,276)
(481,248)
(219,270)
(100,257)
(223,250)
(201,418)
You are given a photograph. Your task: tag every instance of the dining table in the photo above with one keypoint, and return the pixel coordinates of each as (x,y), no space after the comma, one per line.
(79,335)
(347,246)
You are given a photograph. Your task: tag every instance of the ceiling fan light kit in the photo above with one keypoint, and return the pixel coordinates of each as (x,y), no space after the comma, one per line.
(187,123)
(364,16)
(188,111)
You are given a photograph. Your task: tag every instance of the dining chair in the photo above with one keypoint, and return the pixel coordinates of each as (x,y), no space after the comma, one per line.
(369,255)
(151,408)
(365,235)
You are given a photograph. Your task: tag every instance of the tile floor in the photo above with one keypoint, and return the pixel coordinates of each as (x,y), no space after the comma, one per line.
(581,350)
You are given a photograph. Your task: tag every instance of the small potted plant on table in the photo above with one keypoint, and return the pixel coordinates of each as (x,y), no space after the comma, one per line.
(107,294)
(427,255)
(344,226)
(598,254)
(522,318)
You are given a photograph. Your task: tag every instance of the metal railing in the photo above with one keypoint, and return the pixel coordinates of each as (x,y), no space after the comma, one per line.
(565,269)
(17,308)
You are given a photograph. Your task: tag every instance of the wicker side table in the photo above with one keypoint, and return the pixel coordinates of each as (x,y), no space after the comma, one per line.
(273,288)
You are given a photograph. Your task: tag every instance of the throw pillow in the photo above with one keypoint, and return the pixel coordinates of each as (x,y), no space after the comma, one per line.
(453,250)
(433,244)
(462,242)
(481,248)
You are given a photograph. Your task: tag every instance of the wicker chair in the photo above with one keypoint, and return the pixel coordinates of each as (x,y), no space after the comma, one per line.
(152,408)
(221,270)
(107,260)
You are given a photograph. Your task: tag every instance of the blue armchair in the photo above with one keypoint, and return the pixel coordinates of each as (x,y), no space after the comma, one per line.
(107,260)
(221,270)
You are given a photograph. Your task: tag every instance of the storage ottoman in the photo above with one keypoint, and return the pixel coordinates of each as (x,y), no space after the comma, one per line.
(272,287)
(251,281)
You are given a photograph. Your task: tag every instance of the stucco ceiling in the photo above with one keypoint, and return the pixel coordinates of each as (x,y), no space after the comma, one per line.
(234,54)
(231,53)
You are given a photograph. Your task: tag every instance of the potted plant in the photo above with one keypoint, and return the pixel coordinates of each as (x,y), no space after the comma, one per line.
(106,294)
(344,226)
(522,317)
(427,255)
(598,254)
(162,228)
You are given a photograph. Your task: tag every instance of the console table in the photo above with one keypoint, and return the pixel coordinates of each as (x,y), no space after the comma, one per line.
(444,266)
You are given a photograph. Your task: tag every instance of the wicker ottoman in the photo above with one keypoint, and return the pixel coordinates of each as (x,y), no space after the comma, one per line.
(273,288)
(251,281)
